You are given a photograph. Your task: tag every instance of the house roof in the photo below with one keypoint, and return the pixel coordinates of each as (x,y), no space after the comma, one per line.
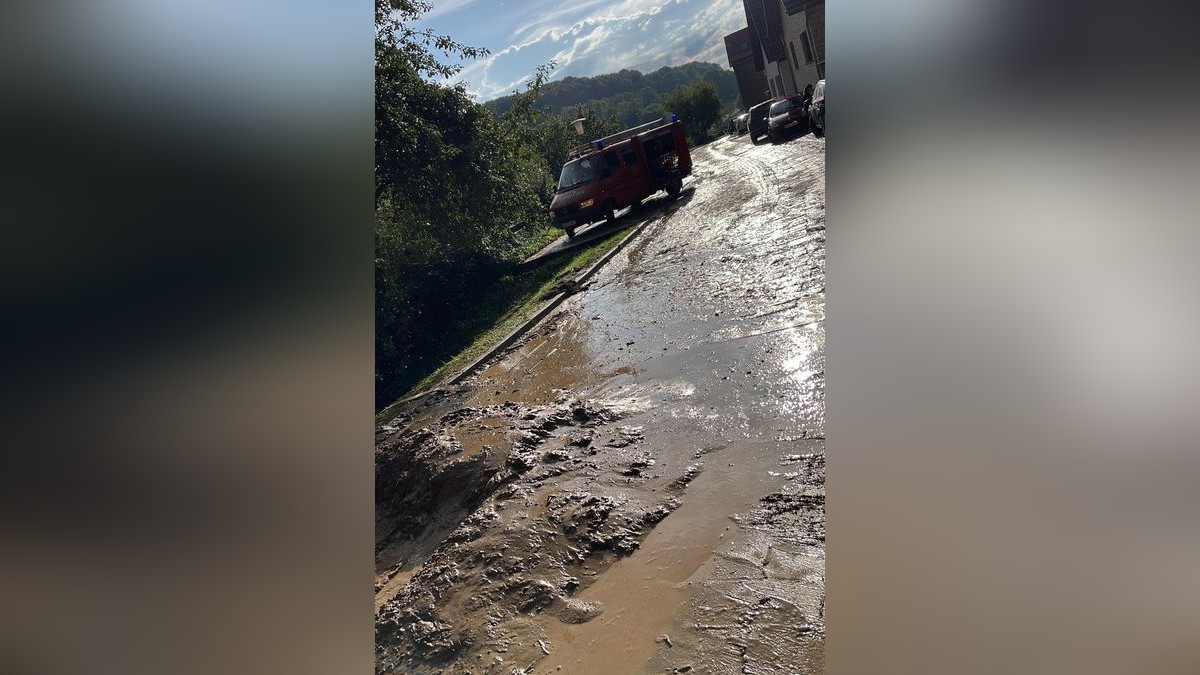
(763,17)
(738,47)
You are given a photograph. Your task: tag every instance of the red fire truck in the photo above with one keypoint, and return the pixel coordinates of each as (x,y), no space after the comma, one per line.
(620,170)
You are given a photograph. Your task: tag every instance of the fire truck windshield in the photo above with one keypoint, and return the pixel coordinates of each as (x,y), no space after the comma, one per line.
(577,172)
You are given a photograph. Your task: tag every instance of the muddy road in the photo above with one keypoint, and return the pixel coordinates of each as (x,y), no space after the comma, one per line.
(636,486)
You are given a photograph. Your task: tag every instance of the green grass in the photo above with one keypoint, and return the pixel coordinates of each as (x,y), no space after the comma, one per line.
(499,309)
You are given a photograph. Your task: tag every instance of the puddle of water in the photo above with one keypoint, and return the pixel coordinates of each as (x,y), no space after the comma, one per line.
(643,593)
(488,432)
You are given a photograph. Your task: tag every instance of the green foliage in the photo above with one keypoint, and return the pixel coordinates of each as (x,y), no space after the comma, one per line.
(450,179)
(698,107)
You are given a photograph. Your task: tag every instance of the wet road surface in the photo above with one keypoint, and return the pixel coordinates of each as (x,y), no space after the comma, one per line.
(638,484)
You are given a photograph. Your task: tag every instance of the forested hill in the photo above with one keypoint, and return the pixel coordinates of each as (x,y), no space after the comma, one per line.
(628,95)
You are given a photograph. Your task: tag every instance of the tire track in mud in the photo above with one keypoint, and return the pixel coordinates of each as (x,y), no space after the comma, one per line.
(753,170)
(771,225)
(770,265)
(713,257)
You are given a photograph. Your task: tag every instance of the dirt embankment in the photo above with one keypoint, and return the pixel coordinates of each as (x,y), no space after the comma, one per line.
(506,529)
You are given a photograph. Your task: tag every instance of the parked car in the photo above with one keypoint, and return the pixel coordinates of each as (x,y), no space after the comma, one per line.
(787,116)
(741,123)
(816,111)
(618,171)
(757,126)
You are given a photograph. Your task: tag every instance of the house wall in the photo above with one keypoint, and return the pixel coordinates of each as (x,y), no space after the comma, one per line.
(765,19)
(776,39)
(781,78)
(744,57)
(795,28)
(752,84)
(815,14)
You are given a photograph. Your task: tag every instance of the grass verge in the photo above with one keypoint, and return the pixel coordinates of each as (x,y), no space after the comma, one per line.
(497,310)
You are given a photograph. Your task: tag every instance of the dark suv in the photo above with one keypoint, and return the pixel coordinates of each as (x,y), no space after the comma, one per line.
(758,120)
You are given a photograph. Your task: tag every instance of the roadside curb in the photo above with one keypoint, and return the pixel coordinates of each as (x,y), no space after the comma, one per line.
(387,414)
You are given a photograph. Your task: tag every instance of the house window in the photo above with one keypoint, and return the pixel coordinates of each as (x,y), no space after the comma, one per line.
(792,47)
(807,49)
(779,85)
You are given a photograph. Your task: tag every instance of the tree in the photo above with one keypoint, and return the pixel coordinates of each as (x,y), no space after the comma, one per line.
(698,107)
(395,35)
(626,94)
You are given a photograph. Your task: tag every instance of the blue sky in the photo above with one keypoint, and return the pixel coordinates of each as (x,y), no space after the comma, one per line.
(586,37)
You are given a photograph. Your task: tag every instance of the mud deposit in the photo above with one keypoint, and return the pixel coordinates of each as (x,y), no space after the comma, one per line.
(638,484)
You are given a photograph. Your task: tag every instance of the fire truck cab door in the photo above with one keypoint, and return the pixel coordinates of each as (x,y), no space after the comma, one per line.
(616,179)
(636,179)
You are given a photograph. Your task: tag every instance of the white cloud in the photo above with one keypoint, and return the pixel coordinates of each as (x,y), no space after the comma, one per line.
(642,34)
(544,20)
